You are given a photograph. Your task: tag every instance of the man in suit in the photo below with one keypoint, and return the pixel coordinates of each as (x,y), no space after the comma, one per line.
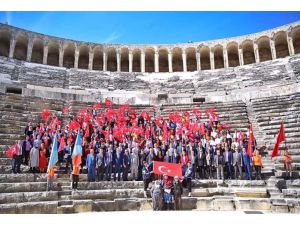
(228,162)
(219,163)
(117,165)
(237,163)
(126,165)
(188,175)
(201,163)
(108,163)
(247,164)
(147,176)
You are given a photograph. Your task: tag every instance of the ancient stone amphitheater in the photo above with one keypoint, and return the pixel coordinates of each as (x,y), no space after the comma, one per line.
(248,78)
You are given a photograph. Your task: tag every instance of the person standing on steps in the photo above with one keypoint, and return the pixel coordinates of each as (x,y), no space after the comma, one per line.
(257,163)
(157,195)
(91,166)
(126,165)
(147,176)
(237,163)
(50,179)
(219,163)
(178,191)
(188,175)
(75,177)
(100,164)
(247,164)
(287,160)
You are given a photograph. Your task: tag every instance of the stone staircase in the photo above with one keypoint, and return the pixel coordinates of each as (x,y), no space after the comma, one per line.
(270,112)
(26,193)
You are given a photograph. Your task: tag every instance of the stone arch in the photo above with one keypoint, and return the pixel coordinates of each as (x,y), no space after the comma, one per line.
(191,61)
(21,47)
(149,60)
(69,56)
(281,45)
(296,39)
(205,58)
(83,58)
(124,60)
(111,59)
(218,57)
(53,54)
(5,38)
(248,52)
(233,54)
(163,60)
(98,58)
(264,49)
(37,51)
(136,60)
(177,60)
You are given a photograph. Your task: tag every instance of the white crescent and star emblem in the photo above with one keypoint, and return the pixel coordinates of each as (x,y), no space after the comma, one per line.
(166,170)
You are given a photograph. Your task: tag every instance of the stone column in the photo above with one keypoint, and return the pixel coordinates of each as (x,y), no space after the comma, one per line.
(156,62)
(29,50)
(45,56)
(225,57)
(212,60)
(61,55)
(170,56)
(118,61)
(184,61)
(12,47)
(76,58)
(91,59)
(130,59)
(104,61)
(198,61)
(256,52)
(273,50)
(143,62)
(290,44)
(241,56)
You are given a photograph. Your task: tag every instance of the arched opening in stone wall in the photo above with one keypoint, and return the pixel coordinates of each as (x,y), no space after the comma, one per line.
(124,60)
(21,47)
(281,45)
(53,54)
(69,56)
(149,60)
(218,57)
(136,60)
(111,59)
(37,51)
(248,52)
(296,39)
(264,49)
(233,54)
(83,59)
(177,60)
(98,58)
(163,60)
(205,58)
(4,42)
(191,61)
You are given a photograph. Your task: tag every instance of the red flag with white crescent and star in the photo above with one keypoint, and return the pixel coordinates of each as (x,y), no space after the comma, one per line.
(171,169)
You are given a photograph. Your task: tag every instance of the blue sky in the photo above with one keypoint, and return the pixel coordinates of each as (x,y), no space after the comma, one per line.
(147,27)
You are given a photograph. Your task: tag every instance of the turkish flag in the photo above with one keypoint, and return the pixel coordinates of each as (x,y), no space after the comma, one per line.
(250,141)
(171,169)
(280,138)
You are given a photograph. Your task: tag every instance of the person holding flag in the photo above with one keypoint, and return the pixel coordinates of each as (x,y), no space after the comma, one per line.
(52,164)
(76,160)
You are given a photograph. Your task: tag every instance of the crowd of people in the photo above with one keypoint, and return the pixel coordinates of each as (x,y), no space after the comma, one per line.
(122,144)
